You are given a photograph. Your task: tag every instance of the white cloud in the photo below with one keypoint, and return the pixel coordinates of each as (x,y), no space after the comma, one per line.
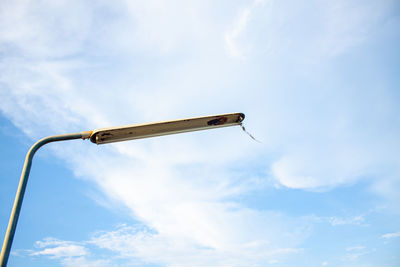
(68,253)
(391,235)
(233,36)
(55,248)
(355,252)
(340,221)
(132,246)
(357,220)
(154,247)
(84,262)
(62,251)
(26,22)
(355,248)
(230,37)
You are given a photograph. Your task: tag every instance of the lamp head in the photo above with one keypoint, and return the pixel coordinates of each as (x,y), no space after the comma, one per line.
(137,131)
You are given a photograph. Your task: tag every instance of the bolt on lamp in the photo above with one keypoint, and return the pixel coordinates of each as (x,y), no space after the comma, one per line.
(110,135)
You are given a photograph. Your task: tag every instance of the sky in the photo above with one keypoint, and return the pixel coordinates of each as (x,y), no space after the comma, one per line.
(318,81)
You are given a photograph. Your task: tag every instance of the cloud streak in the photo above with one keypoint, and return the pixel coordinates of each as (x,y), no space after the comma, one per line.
(391,235)
(132,246)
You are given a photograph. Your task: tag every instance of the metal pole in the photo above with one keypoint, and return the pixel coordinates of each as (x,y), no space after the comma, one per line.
(12,224)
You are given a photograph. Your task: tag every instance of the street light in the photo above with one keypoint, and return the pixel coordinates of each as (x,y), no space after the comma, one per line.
(110,135)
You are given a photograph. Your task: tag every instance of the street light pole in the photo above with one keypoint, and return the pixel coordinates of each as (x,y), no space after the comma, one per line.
(12,224)
(109,135)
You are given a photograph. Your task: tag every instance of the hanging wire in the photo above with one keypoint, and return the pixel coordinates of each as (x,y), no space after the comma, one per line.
(249,134)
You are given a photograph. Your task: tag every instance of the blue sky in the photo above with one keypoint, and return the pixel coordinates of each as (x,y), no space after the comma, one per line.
(318,82)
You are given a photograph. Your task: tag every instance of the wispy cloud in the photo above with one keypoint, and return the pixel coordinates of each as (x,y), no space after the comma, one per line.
(68,253)
(355,248)
(355,252)
(230,37)
(132,246)
(391,235)
(340,221)
(62,251)
(233,36)
(357,220)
